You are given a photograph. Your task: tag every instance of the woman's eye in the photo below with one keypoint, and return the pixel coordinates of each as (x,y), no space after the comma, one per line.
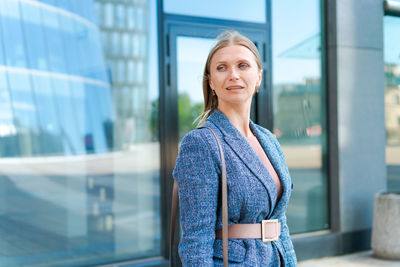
(220,67)
(243,65)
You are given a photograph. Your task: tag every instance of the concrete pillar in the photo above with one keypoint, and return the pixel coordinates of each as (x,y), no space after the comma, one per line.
(360,110)
(386,227)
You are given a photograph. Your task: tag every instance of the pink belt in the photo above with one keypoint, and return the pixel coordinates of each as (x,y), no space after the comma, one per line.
(267,230)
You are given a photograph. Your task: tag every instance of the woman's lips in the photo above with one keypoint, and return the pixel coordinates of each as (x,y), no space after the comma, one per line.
(234,87)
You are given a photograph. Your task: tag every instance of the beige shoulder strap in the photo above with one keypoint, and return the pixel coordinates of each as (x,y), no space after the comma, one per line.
(224,207)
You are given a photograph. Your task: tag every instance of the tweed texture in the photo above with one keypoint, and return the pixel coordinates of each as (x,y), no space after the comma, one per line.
(252,195)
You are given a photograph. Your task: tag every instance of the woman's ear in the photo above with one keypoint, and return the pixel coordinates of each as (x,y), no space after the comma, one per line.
(210,82)
(259,79)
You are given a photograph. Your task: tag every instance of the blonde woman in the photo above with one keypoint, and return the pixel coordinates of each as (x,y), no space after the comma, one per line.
(258,180)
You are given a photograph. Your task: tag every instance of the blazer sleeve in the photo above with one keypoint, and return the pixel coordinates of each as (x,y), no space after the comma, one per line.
(197,177)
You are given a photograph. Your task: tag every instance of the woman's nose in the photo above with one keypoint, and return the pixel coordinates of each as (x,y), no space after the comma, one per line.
(234,74)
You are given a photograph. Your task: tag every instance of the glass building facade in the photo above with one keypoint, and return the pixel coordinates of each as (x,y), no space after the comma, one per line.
(392,100)
(79,150)
(299,109)
(95,96)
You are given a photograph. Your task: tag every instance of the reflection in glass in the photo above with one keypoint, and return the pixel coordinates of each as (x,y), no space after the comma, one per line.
(392,100)
(190,80)
(231,10)
(79,149)
(298,97)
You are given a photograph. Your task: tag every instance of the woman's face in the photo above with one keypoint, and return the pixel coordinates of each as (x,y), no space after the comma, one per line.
(234,75)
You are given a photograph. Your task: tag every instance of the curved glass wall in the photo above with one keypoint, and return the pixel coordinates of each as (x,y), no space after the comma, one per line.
(79,150)
(299,109)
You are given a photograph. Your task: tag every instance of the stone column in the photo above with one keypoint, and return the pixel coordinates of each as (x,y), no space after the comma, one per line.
(386,226)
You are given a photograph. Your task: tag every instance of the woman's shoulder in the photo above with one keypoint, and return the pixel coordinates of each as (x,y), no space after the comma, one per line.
(201,139)
(199,136)
(265,131)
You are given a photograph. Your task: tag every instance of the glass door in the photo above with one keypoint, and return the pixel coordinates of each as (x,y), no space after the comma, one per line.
(191,53)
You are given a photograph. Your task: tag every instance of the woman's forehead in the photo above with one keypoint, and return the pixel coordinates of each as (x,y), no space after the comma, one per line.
(233,53)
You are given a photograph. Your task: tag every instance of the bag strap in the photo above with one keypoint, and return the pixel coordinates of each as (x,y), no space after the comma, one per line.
(224,205)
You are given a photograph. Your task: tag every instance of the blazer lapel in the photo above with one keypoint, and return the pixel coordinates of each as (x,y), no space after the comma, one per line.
(238,143)
(279,165)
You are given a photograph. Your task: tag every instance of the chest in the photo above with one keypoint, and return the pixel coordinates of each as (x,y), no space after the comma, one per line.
(252,192)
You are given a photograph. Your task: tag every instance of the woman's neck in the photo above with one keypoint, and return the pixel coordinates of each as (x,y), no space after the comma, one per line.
(239,117)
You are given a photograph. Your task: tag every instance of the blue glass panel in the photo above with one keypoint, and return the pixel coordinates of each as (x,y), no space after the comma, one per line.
(2,59)
(49,2)
(50,134)
(5,100)
(22,100)
(78,104)
(72,142)
(8,132)
(109,15)
(94,115)
(33,30)
(24,108)
(12,34)
(84,9)
(83,47)
(73,60)
(299,105)
(95,57)
(54,42)
(58,209)
(7,128)
(65,5)
(392,100)
(253,11)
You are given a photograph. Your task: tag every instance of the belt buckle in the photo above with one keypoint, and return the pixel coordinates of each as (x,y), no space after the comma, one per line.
(273,225)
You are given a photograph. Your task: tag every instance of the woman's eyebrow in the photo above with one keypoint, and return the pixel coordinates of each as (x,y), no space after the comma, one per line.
(239,60)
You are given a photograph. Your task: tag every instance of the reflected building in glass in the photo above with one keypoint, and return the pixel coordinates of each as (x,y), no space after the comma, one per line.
(54,88)
(79,168)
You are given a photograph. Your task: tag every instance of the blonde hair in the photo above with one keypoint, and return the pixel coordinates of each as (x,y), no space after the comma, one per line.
(227,38)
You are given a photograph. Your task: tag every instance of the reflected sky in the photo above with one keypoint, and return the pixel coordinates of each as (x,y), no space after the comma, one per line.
(252,11)
(287,68)
(391,40)
(190,67)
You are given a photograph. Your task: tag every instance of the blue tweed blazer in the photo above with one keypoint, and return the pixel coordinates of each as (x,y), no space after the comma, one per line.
(252,195)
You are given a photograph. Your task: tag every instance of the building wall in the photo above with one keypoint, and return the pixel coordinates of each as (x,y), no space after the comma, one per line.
(360,110)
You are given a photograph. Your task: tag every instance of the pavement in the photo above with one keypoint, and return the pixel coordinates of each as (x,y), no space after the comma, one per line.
(364,258)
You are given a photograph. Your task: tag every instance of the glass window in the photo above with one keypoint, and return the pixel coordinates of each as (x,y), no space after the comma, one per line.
(53,38)
(190,79)
(34,32)
(139,19)
(8,131)
(72,61)
(253,11)
(120,16)
(131,17)
(79,152)
(298,107)
(392,96)
(25,120)
(116,43)
(50,137)
(108,15)
(12,34)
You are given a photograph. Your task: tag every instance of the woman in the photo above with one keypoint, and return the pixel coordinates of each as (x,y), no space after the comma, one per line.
(259,183)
